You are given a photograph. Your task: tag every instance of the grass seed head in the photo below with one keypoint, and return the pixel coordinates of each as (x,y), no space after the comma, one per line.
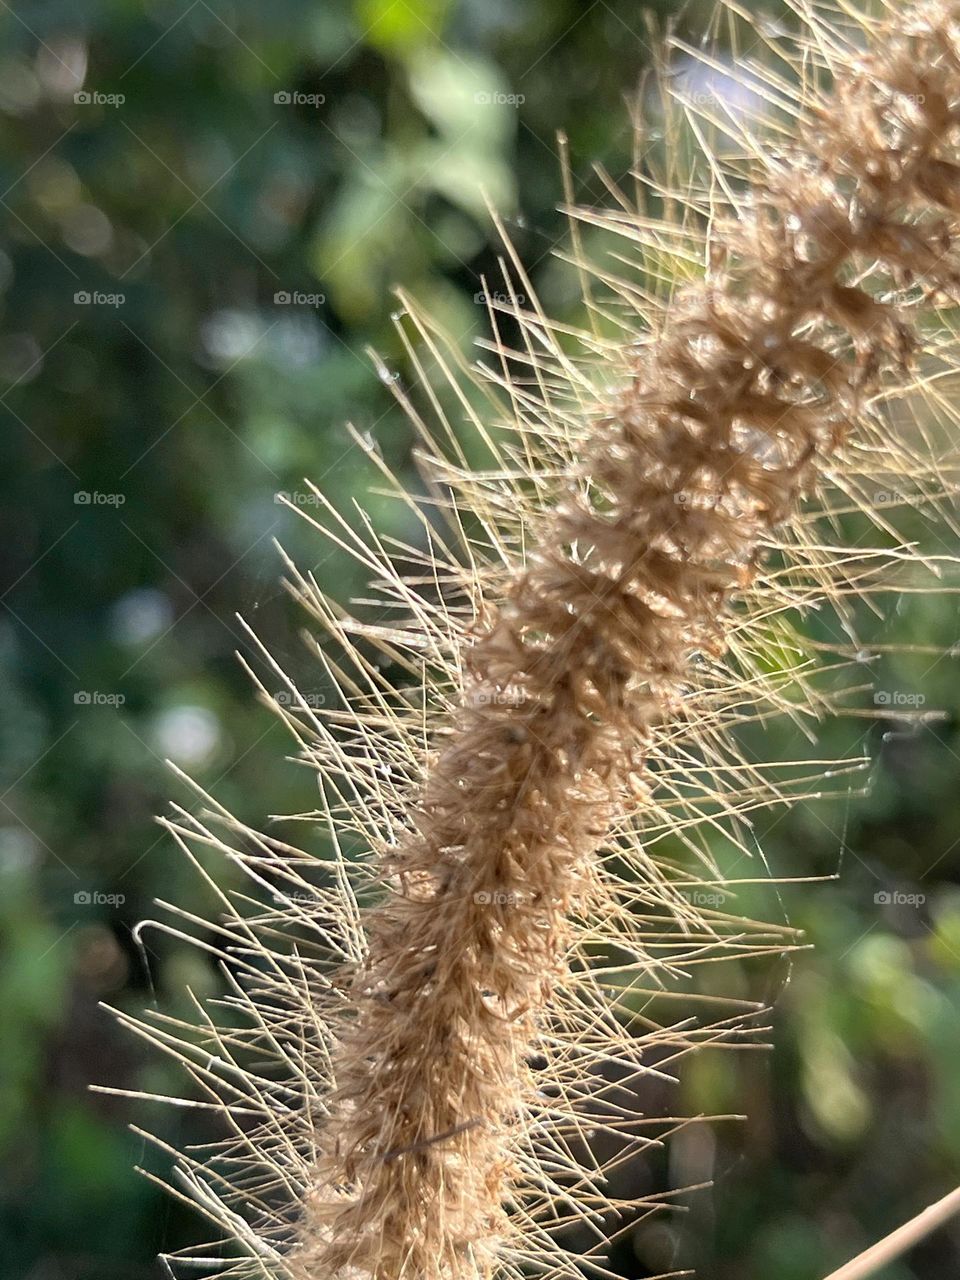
(427,1072)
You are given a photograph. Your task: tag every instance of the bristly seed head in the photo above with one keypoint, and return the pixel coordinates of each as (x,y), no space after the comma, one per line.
(442,1054)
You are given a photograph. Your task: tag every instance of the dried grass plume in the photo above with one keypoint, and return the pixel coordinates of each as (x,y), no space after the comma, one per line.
(430,1056)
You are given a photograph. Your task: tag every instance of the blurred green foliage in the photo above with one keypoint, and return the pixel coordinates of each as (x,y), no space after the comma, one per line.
(197,254)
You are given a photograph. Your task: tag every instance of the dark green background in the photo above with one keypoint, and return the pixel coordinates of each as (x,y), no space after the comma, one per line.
(198,397)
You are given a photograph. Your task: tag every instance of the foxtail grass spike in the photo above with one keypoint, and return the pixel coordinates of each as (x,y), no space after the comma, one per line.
(442,1021)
